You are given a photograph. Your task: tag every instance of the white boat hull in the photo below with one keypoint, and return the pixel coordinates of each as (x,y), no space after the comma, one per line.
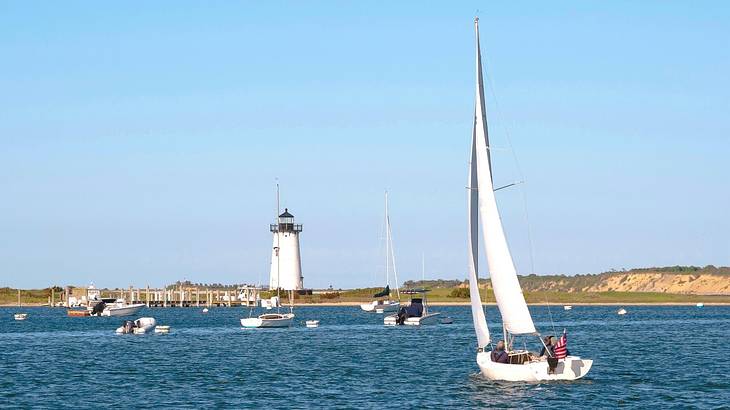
(374,307)
(21,316)
(127,310)
(570,368)
(428,319)
(268,321)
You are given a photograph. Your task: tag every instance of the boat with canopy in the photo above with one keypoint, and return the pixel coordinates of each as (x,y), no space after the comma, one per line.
(521,365)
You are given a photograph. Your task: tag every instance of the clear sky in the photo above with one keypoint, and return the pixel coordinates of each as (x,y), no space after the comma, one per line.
(139,143)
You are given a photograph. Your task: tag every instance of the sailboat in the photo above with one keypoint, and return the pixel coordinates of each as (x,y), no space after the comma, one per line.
(278,319)
(20,316)
(382,302)
(521,365)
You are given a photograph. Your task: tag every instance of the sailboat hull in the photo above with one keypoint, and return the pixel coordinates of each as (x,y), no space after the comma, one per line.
(268,321)
(570,368)
(380,306)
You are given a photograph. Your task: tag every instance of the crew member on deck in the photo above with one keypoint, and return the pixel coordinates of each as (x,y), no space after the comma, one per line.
(498,354)
(549,348)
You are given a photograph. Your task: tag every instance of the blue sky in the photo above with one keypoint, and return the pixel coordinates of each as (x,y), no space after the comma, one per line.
(139,143)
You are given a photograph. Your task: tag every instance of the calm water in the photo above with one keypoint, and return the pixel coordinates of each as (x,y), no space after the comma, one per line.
(655,356)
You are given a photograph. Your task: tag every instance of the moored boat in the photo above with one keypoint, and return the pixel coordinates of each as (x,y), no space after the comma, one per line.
(139,326)
(416,313)
(268,320)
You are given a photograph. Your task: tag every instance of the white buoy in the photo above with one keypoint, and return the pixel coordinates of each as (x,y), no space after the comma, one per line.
(621,311)
(205,310)
(700,304)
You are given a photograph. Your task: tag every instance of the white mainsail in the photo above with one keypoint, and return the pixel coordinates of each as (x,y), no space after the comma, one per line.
(477,311)
(507,291)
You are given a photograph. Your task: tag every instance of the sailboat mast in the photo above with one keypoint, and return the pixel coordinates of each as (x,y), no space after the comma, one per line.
(480,115)
(278,250)
(387,243)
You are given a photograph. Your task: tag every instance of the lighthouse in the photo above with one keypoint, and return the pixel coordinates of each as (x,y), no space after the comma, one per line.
(286,263)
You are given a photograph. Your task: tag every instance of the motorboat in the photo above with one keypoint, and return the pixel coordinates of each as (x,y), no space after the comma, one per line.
(114,307)
(137,327)
(567,307)
(20,316)
(416,313)
(268,320)
(382,302)
(312,323)
(509,364)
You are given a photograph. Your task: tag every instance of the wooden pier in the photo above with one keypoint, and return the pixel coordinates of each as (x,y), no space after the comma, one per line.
(174,296)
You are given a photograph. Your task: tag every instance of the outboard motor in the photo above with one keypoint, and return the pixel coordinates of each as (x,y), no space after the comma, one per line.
(128,326)
(402,316)
(98,308)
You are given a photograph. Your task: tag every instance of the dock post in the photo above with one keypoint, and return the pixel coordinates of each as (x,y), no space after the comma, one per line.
(53,297)
(197,297)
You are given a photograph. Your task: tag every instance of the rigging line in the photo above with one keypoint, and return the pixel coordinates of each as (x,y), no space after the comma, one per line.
(523,194)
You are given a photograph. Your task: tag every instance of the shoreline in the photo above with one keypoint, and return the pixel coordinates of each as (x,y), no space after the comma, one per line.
(464,303)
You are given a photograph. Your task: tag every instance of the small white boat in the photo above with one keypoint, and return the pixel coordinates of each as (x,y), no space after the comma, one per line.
(137,327)
(162,329)
(205,310)
(446,320)
(415,314)
(621,311)
(380,306)
(20,316)
(121,308)
(312,323)
(700,304)
(268,320)
(567,307)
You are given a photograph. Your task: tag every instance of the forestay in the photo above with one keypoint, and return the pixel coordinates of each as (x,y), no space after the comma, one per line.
(510,300)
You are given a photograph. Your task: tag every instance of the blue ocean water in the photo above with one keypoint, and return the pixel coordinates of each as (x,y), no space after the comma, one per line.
(658,356)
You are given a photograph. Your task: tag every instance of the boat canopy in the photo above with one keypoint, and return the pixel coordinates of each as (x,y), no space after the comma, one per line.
(384,293)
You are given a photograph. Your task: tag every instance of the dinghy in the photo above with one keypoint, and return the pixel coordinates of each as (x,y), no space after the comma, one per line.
(139,326)
(521,365)
(312,323)
(415,314)
(382,302)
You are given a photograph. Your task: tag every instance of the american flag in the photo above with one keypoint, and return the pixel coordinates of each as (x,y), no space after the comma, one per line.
(561,348)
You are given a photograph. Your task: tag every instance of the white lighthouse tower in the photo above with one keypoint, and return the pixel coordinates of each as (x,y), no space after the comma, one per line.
(286,263)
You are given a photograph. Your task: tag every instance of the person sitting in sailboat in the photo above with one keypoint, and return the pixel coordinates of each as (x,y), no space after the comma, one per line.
(499,355)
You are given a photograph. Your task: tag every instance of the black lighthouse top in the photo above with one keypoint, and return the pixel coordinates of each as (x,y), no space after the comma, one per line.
(286,223)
